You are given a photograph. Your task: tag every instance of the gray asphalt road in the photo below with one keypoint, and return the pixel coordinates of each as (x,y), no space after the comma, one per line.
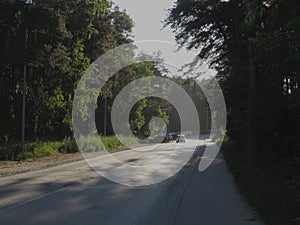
(75,194)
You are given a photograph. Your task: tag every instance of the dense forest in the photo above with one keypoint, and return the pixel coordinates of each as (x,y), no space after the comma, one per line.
(254,45)
(45,48)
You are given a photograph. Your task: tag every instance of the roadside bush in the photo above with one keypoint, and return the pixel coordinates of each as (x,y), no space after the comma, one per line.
(36,150)
(17,152)
(68,146)
(270,188)
(94,144)
(90,144)
(10,152)
(111,142)
(46,149)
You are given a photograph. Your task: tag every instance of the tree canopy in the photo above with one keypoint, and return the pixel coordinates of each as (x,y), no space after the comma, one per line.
(254,46)
(57,41)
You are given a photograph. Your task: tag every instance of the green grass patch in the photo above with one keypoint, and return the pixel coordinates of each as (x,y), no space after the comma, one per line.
(96,144)
(17,152)
(111,142)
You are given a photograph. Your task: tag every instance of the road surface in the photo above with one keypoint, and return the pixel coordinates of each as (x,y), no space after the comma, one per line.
(74,194)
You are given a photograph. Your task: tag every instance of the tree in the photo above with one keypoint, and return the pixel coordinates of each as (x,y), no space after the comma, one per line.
(253,44)
(63,39)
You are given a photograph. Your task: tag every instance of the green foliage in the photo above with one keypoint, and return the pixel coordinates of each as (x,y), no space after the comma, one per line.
(98,144)
(231,33)
(139,120)
(31,150)
(46,149)
(67,146)
(111,142)
(17,152)
(254,46)
(90,144)
(270,190)
(144,110)
(63,39)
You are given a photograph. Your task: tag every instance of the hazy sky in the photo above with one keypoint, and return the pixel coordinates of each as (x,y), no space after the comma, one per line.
(148,16)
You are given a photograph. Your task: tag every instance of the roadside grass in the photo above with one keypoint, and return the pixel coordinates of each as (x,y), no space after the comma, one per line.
(112,142)
(18,152)
(272,188)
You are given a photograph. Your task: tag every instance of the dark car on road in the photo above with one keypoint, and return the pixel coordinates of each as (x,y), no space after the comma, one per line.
(180,138)
(168,138)
(174,135)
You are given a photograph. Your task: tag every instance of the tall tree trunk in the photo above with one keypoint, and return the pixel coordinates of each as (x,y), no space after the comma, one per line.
(3,60)
(252,144)
(24,87)
(252,110)
(36,125)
